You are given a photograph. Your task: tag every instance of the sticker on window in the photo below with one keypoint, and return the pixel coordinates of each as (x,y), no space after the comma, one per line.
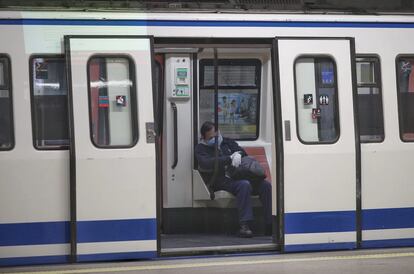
(41,70)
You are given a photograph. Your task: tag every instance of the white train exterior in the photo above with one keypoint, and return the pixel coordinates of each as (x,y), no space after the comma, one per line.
(93,202)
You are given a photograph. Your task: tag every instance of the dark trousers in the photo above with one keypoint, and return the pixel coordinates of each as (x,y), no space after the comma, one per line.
(243,190)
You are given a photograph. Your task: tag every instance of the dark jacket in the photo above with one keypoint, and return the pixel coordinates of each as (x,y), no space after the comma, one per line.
(206,158)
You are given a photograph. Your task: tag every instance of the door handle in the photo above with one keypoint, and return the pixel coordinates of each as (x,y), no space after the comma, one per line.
(175,122)
(150,133)
(287,131)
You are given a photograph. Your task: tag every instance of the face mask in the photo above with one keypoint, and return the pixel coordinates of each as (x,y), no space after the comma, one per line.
(212,141)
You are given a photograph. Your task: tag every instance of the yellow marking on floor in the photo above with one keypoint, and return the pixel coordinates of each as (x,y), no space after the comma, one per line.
(254,261)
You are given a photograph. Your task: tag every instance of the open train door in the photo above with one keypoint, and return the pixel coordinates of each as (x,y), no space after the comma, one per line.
(112,164)
(319,170)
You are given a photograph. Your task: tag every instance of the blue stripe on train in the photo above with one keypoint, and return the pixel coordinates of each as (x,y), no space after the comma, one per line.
(320,222)
(388,218)
(204,23)
(34,233)
(117,230)
(145,229)
(343,221)
(88,231)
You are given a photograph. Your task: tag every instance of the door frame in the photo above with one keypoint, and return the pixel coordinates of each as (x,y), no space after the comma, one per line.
(72,145)
(185,42)
(277,104)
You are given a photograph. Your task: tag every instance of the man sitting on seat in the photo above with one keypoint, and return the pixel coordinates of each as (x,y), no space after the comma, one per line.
(230,153)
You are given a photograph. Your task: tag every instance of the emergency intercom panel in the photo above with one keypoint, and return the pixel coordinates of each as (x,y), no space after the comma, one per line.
(181,86)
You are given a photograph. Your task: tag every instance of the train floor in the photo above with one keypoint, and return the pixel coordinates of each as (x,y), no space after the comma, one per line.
(378,261)
(178,242)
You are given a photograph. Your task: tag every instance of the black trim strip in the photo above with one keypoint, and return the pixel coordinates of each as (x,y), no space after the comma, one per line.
(157,110)
(277,112)
(110,36)
(357,145)
(195,105)
(8,84)
(72,155)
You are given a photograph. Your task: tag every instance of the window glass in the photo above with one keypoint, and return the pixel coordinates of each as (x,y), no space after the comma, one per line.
(6,118)
(406,97)
(49,103)
(371,123)
(238,96)
(366,70)
(316,100)
(1,74)
(112,101)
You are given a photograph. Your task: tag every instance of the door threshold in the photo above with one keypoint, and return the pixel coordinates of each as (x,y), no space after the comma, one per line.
(217,249)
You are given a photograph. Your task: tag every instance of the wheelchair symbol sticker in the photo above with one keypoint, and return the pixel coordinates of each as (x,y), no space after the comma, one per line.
(121,100)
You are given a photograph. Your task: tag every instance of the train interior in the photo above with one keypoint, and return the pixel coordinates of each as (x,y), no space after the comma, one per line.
(193,219)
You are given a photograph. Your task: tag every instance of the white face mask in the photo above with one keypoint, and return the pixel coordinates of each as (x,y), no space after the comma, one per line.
(212,141)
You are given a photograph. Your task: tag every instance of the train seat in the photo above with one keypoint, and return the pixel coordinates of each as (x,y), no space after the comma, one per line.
(223,198)
(259,154)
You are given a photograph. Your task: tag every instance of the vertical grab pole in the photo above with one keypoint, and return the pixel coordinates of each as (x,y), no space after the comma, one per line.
(216,150)
(216,125)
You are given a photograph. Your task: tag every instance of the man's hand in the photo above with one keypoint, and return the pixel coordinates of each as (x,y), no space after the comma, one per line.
(236,159)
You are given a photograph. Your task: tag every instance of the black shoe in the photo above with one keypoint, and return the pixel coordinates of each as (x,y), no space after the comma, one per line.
(245,231)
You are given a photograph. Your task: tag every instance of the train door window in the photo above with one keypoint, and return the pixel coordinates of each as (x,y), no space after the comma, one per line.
(316,100)
(49,102)
(239,96)
(6,111)
(112,101)
(369,100)
(405,76)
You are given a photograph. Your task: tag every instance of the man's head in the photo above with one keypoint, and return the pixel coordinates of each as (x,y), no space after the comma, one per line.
(208,130)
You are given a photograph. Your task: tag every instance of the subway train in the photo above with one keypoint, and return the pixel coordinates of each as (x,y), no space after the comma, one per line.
(100,113)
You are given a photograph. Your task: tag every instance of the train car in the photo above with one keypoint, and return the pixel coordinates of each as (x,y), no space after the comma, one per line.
(100,113)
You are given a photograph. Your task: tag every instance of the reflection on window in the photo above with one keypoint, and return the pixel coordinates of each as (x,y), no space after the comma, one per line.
(6,120)
(316,100)
(406,97)
(238,103)
(369,100)
(49,103)
(112,101)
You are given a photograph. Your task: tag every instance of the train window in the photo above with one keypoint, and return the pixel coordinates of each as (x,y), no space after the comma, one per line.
(405,76)
(6,111)
(49,102)
(369,100)
(112,101)
(316,100)
(239,96)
